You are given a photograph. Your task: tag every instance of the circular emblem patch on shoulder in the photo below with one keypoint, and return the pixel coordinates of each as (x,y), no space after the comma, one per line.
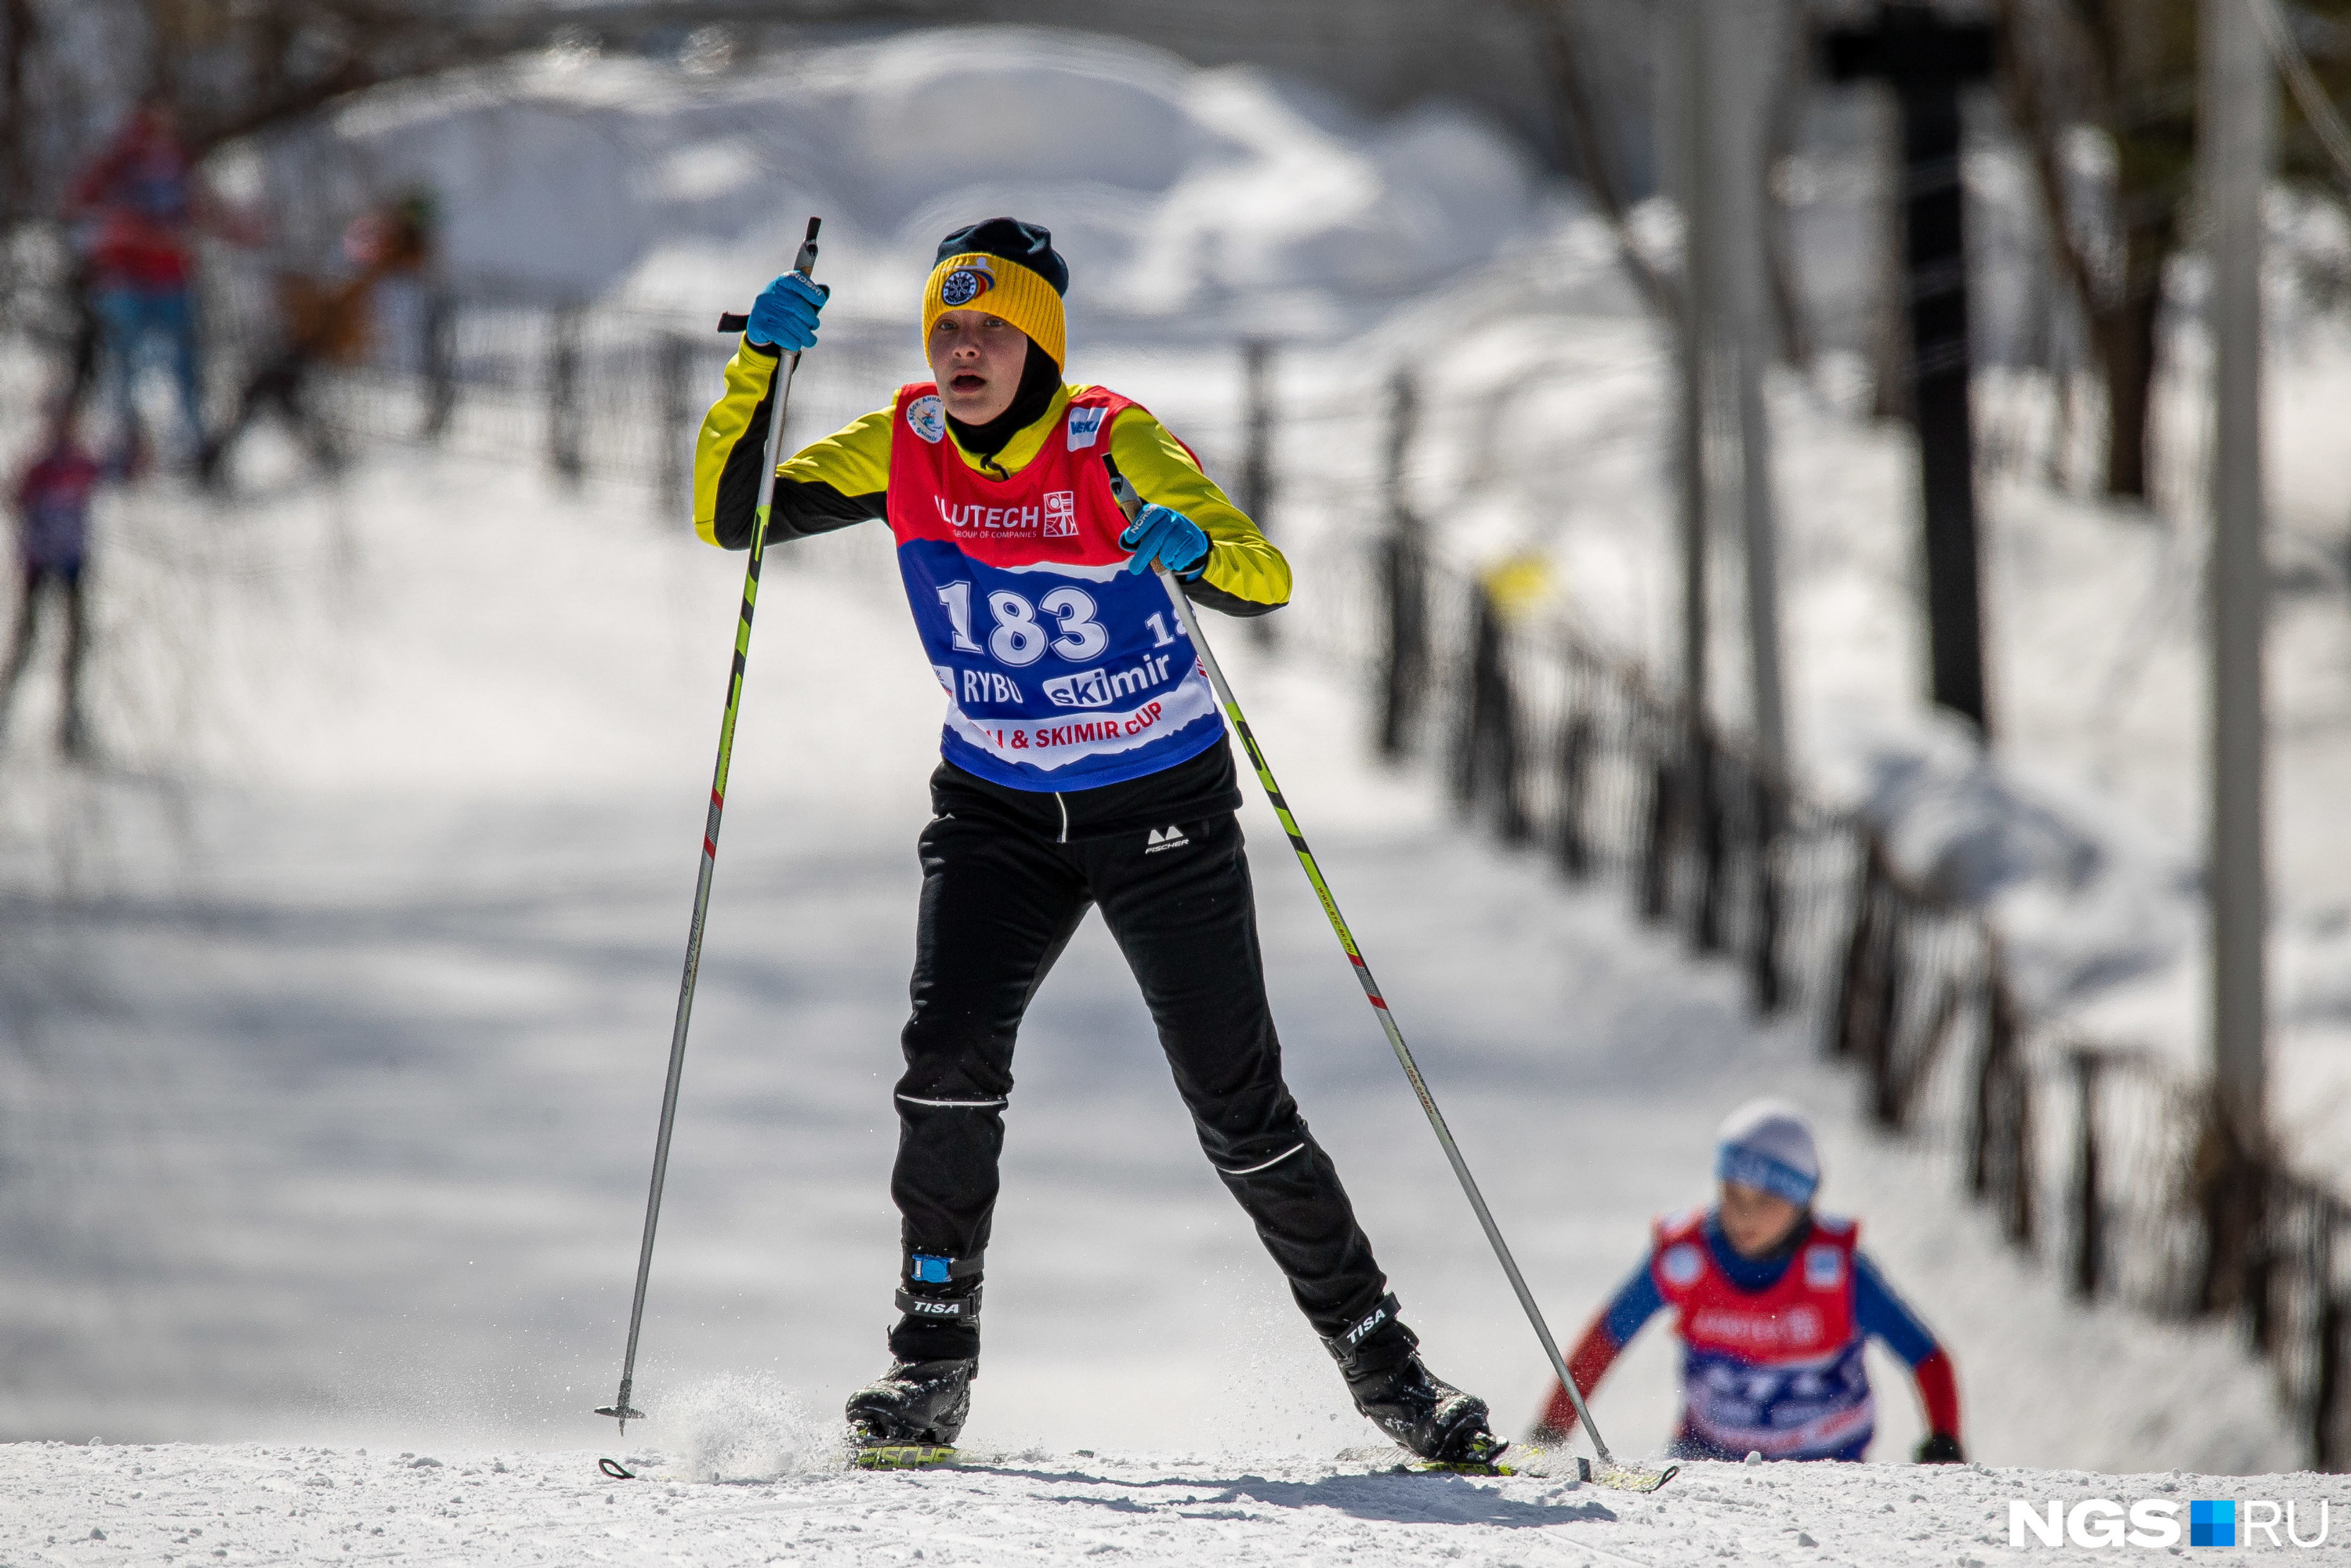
(963,286)
(927,417)
(1681,1264)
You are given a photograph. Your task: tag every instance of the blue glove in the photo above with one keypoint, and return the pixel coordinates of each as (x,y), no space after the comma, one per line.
(1168,537)
(783,316)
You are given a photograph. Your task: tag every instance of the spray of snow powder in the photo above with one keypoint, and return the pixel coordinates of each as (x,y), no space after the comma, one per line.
(748,1427)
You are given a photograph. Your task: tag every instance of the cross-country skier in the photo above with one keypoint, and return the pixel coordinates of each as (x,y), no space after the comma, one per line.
(326,323)
(52,502)
(136,209)
(1775,1302)
(1085,764)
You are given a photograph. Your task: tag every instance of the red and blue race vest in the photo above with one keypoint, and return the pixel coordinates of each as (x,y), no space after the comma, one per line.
(1062,669)
(1777,1371)
(54,500)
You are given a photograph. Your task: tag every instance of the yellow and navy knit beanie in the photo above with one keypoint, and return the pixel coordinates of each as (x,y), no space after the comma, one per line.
(1009,269)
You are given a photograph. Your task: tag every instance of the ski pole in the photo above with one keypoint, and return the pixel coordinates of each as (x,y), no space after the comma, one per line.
(805,265)
(1612,1472)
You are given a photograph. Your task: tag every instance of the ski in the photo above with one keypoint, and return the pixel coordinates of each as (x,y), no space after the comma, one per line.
(903,1455)
(1614,1476)
(1456,1467)
(1625,1477)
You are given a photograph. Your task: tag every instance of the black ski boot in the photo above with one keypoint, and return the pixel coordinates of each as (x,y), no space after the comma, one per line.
(1427,1415)
(1395,1389)
(919,1404)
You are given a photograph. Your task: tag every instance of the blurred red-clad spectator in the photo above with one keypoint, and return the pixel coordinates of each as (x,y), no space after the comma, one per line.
(52,498)
(135,211)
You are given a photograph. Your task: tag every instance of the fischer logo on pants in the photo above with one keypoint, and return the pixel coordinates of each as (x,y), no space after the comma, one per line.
(1164,839)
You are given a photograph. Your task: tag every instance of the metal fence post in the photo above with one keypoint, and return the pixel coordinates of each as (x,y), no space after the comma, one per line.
(1861,977)
(1403,580)
(2000,1166)
(1578,740)
(2327,1421)
(1664,818)
(1503,776)
(2231,1178)
(1765,986)
(2089,1227)
(440,359)
(1486,764)
(563,432)
(1257,459)
(1703,800)
(673,367)
(2328,1448)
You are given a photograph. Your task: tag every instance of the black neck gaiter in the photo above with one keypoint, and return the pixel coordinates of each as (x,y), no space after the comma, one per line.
(1040,378)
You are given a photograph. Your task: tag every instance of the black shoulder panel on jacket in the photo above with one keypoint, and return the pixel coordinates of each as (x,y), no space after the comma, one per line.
(1203,592)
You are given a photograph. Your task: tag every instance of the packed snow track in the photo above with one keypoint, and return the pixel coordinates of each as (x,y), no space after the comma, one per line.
(62,1503)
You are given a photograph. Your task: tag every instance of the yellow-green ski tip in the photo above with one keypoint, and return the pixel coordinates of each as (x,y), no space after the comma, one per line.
(902,1457)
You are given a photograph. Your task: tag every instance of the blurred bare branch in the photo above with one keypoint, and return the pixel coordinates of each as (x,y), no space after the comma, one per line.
(2124,71)
(1587,147)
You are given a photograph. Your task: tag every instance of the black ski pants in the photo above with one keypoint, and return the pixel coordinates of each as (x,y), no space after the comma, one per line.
(1004,885)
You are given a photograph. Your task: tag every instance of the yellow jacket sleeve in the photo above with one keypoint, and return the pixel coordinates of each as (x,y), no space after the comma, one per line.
(1245,574)
(830,483)
(853,460)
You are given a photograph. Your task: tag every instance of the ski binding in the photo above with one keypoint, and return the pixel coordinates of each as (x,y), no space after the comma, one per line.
(903,1455)
(1486,1461)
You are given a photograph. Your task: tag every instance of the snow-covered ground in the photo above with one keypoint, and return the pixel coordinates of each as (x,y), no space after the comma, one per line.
(343,994)
(775,1501)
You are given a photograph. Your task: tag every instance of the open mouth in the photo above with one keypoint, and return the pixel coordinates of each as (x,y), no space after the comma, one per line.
(966,381)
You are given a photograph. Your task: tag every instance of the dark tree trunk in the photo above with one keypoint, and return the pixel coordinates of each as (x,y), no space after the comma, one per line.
(16,29)
(2124,338)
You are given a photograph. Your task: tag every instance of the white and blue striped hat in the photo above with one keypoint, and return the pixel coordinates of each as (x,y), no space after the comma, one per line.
(1767,1145)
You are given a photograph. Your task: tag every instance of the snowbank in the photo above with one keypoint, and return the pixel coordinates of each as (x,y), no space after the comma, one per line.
(1173,190)
(299,1505)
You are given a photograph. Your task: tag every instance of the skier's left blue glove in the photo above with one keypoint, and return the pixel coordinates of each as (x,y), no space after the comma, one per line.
(1164,534)
(783,316)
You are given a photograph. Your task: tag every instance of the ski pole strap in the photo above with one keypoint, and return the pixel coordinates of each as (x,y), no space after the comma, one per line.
(731,322)
(932,1268)
(942,1310)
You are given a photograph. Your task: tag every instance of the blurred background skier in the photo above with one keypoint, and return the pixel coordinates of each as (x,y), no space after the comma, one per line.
(52,498)
(1084,763)
(135,209)
(326,321)
(1775,1302)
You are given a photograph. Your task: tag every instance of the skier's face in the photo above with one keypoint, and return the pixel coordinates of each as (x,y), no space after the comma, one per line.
(1755,1221)
(977,359)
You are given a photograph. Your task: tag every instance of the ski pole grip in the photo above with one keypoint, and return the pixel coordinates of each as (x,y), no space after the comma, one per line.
(732,322)
(1121,491)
